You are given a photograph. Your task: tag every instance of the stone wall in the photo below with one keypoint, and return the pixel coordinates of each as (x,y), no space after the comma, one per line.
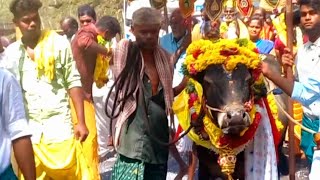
(53,10)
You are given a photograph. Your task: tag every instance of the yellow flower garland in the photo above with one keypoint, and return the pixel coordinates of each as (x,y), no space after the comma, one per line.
(202,53)
(102,64)
(44,56)
(274,111)
(215,133)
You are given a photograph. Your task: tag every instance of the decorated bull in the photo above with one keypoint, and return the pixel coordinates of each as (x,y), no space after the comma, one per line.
(226,103)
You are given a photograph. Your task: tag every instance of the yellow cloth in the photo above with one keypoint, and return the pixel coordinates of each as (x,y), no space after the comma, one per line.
(90,145)
(269,7)
(196,33)
(44,56)
(57,161)
(181,109)
(297,115)
(244,33)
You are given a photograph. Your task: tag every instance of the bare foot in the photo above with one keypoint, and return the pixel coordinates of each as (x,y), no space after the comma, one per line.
(183,171)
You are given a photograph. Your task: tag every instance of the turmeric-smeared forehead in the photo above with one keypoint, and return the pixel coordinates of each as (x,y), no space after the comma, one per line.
(146,16)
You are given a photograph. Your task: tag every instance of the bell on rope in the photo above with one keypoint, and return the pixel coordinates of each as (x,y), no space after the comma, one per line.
(227,162)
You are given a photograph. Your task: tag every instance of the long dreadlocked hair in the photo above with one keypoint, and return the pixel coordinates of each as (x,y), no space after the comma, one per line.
(126,82)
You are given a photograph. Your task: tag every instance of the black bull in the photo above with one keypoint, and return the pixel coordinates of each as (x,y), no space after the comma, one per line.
(226,95)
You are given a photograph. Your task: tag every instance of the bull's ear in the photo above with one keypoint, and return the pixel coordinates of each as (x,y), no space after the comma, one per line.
(199,76)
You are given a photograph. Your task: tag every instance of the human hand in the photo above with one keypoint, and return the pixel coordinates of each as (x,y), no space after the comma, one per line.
(81,132)
(287,58)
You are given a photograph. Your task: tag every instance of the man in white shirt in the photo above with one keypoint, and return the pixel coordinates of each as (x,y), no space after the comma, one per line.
(14,130)
(43,64)
(306,87)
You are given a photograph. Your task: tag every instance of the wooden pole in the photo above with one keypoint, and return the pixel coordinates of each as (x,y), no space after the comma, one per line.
(289,75)
(166,18)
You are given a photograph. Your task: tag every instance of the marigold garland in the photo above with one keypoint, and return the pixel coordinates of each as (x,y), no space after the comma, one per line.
(102,64)
(202,53)
(217,137)
(230,53)
(274,111)
(227,147)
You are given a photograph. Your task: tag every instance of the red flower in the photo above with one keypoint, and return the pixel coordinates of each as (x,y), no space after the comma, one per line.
(190,102)
(256,50)
(229,52)
(193,70)
(194,116)
(197,53)
(193,96)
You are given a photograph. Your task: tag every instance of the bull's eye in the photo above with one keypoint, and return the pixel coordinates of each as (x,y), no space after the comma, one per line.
(229,116)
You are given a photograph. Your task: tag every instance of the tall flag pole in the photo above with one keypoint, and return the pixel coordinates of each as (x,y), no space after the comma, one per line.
(166,18)
(187,9)
(289,75)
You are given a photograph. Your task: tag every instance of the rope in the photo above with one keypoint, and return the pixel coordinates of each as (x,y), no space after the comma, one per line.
(215,109)
(287,114)
(292,119)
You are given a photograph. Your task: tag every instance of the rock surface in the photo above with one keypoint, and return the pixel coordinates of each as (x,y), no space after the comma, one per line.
(53,10)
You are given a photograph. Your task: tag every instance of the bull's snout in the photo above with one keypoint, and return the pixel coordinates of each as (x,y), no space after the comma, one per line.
(233,118)
(234,121)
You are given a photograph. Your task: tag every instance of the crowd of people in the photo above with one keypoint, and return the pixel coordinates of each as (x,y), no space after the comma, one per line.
(61,124)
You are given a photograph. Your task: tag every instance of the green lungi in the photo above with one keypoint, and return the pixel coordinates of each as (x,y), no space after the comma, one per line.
(8,174)
(132,169)
(307,141)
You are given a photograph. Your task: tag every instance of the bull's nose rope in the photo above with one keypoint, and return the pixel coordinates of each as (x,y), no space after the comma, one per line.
(292,119)
(215,109)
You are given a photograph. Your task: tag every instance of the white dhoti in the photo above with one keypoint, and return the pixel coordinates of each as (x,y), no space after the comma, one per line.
(102,121)
(260,155)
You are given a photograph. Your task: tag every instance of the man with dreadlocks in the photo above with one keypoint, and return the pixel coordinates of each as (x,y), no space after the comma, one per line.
(144,96)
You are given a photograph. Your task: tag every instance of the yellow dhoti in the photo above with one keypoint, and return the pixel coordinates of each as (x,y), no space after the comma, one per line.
(64,160)
(90,145)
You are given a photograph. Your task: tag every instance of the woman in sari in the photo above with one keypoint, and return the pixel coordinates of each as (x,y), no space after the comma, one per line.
(255,25)
(267,31)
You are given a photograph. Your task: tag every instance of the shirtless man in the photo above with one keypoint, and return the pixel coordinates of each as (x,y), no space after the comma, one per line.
(143,78)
